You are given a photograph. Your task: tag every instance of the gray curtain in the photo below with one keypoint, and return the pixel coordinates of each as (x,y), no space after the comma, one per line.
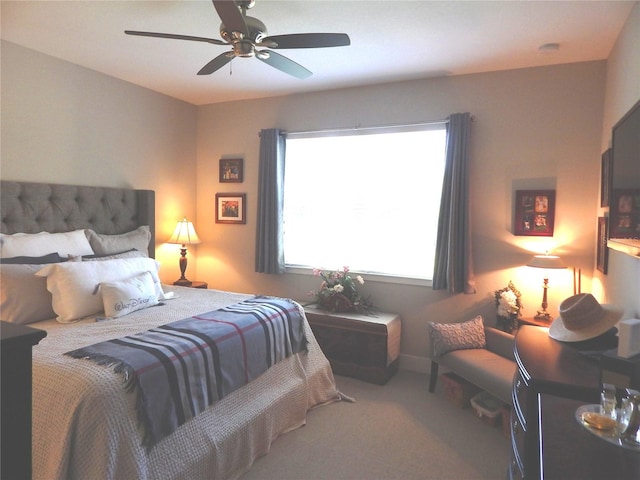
(453,269)
(269,246)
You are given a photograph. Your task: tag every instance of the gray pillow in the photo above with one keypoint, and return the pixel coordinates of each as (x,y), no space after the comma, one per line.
(113,244)
(24,298)
(446,337)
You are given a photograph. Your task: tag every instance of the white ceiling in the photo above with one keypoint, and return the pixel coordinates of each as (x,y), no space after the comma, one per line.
(391,40)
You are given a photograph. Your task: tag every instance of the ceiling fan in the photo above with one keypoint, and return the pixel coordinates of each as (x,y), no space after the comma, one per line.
(246,34)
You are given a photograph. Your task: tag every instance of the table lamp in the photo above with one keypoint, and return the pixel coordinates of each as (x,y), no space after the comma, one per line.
(184,234)
(548,262)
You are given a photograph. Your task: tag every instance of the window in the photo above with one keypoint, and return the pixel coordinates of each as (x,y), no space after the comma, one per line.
(368,199)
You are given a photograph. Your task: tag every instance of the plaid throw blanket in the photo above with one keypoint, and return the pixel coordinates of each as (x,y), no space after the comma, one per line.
(180,368)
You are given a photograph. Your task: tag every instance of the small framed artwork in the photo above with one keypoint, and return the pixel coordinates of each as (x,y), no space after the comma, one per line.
(231,170)
(534,212)
(231,208)
(605,178)
(602,255)
(624,213)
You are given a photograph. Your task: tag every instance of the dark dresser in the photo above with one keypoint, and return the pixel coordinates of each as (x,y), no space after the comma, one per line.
(15,378)
(552,380)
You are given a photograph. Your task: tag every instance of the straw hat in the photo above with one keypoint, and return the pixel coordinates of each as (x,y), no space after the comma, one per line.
(582,317)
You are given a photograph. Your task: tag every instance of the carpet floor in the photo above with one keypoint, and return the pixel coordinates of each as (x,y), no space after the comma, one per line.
(396,431)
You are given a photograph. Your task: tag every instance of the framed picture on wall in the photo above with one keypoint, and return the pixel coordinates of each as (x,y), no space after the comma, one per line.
(605,178)
(602,255)
(231,170)
(534,212)
(231,208)
(625,213)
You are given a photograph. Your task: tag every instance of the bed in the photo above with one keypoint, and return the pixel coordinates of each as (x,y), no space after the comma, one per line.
(84,421)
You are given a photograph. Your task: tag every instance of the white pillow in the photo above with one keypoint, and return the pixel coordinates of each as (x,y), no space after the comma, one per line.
(126,296)
(38,244)
(74,285)
(24,298)
(111,244)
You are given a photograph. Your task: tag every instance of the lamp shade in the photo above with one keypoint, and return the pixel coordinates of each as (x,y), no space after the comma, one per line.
(546,261)
(184,234)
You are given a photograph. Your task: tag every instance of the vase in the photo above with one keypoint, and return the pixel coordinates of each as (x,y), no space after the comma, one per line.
(337,303)
(507,324)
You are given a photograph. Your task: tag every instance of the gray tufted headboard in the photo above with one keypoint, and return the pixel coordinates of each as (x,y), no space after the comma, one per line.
(47,207)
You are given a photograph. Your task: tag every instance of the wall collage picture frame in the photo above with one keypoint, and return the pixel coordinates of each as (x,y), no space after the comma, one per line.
(231,208)
(534,212)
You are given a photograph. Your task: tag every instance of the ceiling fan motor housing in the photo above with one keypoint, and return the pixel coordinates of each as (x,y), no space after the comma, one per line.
(257,31)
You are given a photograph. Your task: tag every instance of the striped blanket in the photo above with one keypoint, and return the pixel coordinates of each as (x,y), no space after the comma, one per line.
(180,368)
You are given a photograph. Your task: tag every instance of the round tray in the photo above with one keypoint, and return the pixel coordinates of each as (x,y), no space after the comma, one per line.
(612,436)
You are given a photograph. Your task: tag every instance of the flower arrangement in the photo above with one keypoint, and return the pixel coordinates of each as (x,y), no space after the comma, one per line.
(509,306)
(338,292)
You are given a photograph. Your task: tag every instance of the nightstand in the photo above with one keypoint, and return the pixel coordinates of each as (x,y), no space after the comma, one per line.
(195,284)
(17,341)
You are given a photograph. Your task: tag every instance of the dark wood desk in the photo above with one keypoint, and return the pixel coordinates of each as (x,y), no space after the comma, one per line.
(551,381)
(533,321)
(570,451)
(15,347)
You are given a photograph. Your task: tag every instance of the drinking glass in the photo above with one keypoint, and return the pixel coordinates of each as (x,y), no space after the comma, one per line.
(608,400)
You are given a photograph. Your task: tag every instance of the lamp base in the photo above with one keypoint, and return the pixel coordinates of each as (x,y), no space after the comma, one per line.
(543,315)
(183,282)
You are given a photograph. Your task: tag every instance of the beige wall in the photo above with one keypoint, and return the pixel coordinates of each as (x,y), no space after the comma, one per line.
(621,285)
(66,124)
(533,128)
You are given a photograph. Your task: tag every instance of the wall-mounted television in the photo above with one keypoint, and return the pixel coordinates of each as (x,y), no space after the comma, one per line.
(624,210)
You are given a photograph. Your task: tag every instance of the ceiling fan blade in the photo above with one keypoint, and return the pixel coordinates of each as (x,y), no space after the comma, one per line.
(310,40)
(215,41)
(215,64)
(284,64)
(230,15)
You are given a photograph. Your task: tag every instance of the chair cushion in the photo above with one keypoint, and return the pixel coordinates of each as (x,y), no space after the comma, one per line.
(483,368)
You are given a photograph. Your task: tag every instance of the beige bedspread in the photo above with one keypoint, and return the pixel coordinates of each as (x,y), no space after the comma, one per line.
(84,423)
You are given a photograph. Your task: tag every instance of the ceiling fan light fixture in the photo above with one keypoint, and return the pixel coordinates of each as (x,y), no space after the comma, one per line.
(244,48)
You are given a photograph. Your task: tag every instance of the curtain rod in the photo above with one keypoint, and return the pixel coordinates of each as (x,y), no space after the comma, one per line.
(359,128)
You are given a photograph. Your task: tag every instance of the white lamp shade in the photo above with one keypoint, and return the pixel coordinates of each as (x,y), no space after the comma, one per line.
(184,233)
(546,261)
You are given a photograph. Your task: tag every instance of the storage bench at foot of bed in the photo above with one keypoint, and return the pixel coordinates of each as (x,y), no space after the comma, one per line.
(359,346)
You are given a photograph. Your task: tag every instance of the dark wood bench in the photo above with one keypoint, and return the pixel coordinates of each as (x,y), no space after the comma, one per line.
(357,345)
